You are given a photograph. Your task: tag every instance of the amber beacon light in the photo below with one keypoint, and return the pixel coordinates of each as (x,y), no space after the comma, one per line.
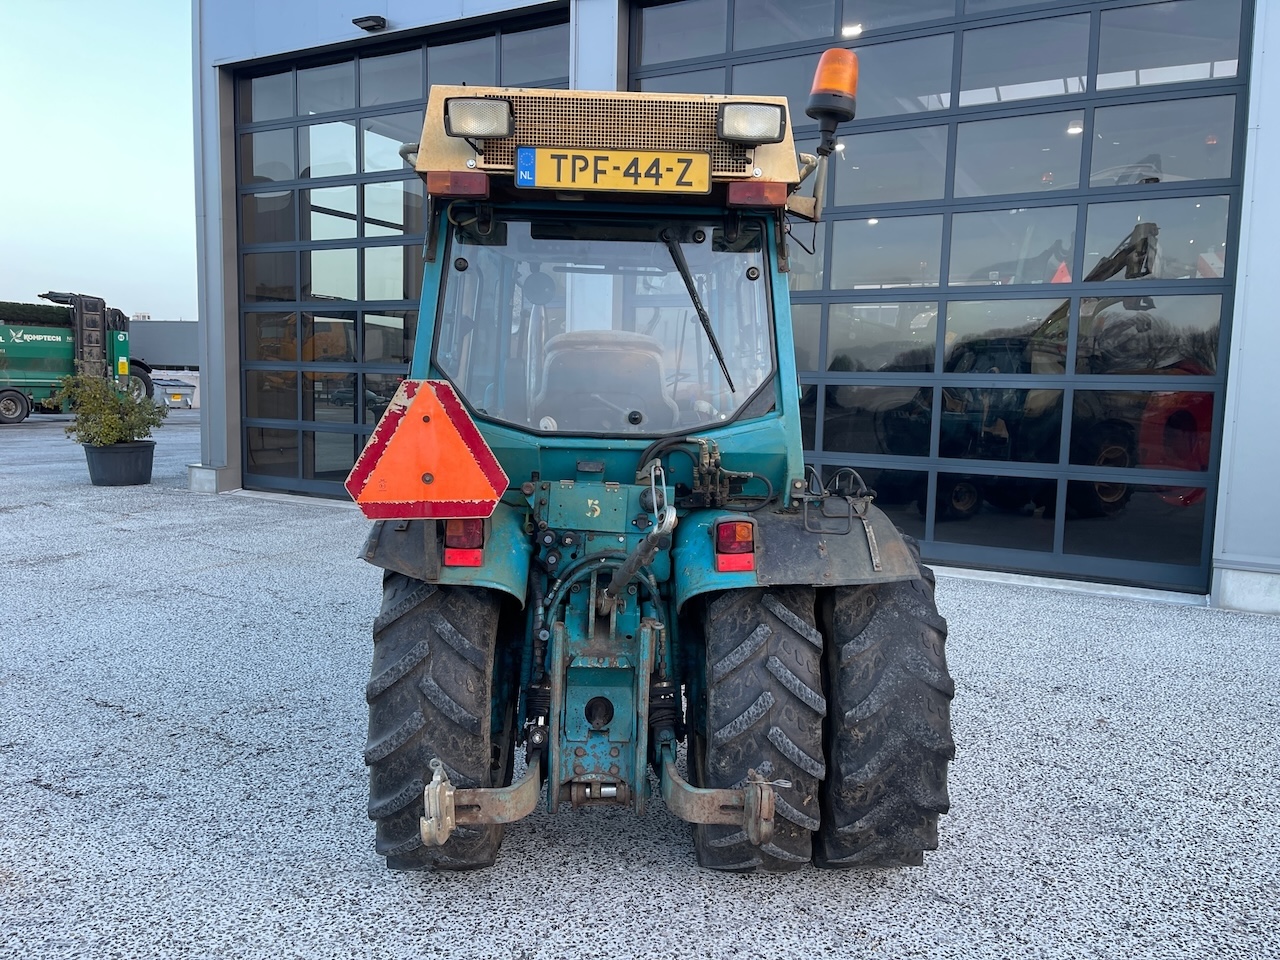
(833,99)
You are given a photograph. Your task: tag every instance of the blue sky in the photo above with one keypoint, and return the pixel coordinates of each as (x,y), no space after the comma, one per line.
(96,168)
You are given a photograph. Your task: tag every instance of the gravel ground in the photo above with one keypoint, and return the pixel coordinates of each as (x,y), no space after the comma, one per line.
(182,719)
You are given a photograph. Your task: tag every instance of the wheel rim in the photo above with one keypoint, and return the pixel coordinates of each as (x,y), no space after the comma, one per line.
(137,389)
(964,497)
(1112,455)
(9,407)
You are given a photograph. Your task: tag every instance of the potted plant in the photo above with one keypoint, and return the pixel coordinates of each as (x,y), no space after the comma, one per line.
(113,428)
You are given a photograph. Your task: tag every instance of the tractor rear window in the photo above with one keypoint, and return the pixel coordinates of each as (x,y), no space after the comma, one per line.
(588,325)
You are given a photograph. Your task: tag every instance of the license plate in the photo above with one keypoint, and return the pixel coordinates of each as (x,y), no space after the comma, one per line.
(175,396)
(649,171)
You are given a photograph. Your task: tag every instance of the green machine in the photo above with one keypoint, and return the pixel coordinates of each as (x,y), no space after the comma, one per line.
(39,345)
(601,544)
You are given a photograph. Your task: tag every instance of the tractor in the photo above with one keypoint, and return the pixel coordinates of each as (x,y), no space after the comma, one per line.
(601,545)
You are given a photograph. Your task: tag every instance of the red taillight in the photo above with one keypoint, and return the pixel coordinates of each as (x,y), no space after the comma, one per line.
(735,546)
(463,543)
(457,183)
(753,193)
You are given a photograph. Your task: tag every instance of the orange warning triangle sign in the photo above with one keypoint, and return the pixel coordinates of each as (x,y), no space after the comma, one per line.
(426,460)
(1062,274)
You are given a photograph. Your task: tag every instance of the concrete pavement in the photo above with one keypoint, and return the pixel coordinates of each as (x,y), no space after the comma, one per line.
(182,720)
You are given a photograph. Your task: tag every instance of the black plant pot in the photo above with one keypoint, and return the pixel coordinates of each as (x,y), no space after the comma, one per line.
(120,464)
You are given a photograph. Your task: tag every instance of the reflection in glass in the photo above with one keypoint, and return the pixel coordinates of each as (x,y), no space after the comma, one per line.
(983,6)
(695,81)
(806,327)
(680,31)
(863,15)
(329,274)
(1168,239)
(807,269)
(1143,335)
(392,273)
(271,453)
(266,98)
(383,387)
(389,336)
(885,420)
(329,397)
(808,415)
(999,423)
(329,456)
(271,336)
(327,88)
(266,156)
(391,79)
(886,252)
(267,217)
(271,394)
(1018,61)
(898,492)
(892,166)
(329,213)
(1169,43)
(1024,245)
(1019,154)
(887,337)
(1163,141)
(392,209)
(535,55)
(1137,522)
(329,337)
(383,136)
(1156,429)
(1006,336)
(473,62)
(269,276)
(907,76)
(790,77)
(1015,513)
(767,23)
(327,149)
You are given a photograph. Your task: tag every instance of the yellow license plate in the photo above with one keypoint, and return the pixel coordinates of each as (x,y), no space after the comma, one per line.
(175,396)
(649,171)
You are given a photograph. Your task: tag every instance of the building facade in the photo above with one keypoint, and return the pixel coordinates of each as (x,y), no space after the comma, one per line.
(1033,317)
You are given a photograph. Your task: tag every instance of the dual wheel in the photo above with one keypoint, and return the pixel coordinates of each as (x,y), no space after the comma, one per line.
(840,696)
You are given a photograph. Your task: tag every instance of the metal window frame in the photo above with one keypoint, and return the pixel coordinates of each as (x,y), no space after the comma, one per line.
(1058,561)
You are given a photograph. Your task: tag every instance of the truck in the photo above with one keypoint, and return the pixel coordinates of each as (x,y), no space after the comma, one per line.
(39,345)
(600,545)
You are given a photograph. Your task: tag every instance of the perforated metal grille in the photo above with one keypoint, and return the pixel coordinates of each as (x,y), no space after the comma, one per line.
(605,123)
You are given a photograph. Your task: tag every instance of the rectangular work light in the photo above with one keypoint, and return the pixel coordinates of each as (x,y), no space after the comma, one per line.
(752,123)
(481,118)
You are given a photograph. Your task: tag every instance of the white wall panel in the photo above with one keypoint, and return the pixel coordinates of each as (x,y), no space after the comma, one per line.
(1248,519)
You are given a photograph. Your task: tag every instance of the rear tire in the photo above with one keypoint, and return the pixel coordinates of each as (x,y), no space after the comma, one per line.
(430,695)
(13,407)
(888,731)
(763,709)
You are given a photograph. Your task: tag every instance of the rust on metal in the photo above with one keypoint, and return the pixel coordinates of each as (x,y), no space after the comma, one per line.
(751,808)
(446,806)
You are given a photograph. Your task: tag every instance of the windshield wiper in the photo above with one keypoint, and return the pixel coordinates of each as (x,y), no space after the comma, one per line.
(677,255)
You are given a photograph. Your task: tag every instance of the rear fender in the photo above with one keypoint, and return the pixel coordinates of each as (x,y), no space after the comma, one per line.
(413,547)
(786,552)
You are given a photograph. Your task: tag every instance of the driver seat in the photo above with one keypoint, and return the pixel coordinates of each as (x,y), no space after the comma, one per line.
(592,379)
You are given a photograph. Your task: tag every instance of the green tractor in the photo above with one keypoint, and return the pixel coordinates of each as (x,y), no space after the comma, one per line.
(599,538)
